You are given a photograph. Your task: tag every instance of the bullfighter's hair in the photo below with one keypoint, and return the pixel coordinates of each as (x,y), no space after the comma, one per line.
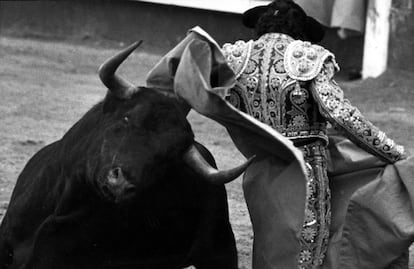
(285,16)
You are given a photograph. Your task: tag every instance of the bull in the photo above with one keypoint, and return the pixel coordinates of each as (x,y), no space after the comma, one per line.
(126,187)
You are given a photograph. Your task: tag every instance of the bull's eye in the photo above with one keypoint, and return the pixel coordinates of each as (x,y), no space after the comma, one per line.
(125,120)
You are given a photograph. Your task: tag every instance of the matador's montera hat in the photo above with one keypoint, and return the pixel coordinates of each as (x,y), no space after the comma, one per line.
(314,30)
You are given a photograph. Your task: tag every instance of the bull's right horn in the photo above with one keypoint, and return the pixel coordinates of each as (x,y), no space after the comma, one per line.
(196,161)
(121,88)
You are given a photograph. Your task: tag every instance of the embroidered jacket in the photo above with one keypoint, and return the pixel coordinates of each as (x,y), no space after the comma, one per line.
(288,84)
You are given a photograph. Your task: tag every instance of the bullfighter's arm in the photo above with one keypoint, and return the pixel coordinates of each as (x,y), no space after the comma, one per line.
(344,116)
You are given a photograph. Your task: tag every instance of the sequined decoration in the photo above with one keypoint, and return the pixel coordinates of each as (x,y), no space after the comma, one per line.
(299,108)
(303,60)
(265,90)
(340,112)
(315,230)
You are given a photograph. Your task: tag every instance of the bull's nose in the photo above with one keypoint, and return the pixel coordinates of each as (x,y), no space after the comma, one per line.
(117,185)
(115,176)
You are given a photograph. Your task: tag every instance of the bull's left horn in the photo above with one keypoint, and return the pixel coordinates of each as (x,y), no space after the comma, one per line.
(196,161)
(117,85)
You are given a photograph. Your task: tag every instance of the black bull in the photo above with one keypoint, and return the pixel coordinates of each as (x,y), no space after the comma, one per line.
(126,187)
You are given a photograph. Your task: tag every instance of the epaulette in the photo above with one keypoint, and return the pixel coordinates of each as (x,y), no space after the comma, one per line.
(237,55)
(303,60)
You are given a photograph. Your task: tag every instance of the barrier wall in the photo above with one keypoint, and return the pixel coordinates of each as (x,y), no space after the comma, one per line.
(401,52)
(162,26)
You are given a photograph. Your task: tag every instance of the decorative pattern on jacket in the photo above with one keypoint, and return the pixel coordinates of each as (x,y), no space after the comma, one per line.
(288,85)
(267,91)
(342,115)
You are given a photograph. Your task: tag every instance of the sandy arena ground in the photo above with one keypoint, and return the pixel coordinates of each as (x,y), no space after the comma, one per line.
(45,87)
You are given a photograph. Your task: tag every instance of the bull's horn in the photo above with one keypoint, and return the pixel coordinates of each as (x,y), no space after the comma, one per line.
(117,85)
(196,161)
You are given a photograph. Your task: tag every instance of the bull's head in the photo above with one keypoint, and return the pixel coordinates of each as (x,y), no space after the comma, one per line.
(145,132)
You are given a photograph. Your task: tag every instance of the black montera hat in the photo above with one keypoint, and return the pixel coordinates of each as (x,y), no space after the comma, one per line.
(313,29)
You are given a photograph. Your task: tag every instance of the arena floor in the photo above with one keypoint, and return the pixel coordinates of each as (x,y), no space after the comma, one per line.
(45,86)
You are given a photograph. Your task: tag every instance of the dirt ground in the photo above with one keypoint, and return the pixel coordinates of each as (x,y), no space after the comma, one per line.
(46,86)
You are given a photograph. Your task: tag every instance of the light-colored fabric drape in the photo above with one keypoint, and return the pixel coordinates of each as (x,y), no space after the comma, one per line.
(275,184)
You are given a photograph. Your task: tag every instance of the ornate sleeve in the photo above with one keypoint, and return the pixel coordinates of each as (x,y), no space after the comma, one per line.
(343,116)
